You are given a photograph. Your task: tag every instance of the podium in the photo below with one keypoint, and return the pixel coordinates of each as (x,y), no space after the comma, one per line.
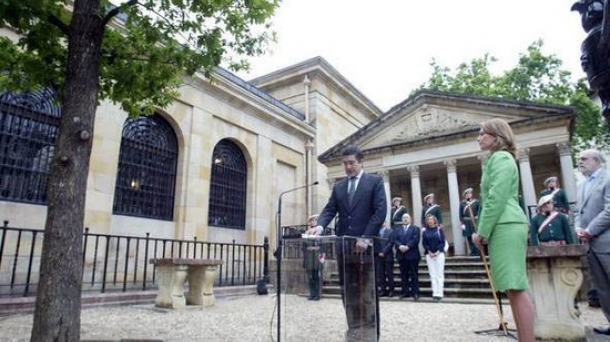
(356,279)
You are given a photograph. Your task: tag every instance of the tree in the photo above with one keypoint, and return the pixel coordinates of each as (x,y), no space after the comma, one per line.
(538,78)
(136,54)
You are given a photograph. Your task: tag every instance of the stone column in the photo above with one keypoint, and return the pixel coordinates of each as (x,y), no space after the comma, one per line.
(568,183)
(388,195)
(454,205)
(527,181)
(415,194)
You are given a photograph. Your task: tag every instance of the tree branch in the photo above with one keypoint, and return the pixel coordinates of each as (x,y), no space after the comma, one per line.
(59,24)
(115,11)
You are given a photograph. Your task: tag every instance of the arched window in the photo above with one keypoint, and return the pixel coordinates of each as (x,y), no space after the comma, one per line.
(29,126)
(146,177)
(228,187)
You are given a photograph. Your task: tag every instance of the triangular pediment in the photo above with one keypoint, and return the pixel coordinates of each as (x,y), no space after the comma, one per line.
(426,121)
(434,116)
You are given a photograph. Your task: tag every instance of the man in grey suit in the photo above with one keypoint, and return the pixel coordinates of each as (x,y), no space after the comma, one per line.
(592,222)
(360,201)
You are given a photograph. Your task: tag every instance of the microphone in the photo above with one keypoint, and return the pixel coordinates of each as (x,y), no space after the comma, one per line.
(295,189)
(278,254)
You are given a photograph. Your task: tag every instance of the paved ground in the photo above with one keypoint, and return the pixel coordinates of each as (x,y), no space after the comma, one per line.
(251,318)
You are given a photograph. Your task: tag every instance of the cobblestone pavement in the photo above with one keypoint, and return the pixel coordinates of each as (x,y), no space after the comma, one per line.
(251,318)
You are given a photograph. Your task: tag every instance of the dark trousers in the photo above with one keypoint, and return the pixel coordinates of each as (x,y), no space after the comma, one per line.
(385,275)
(313,279)
(358,291)
(599,266)
(409,277)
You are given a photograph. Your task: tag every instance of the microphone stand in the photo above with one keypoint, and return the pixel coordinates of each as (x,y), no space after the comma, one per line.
(279,253)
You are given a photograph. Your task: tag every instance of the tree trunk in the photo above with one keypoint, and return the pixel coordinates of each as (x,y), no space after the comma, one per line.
(58,301)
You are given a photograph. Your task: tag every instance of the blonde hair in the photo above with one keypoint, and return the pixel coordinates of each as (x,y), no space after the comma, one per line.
(432,216)
(505,139)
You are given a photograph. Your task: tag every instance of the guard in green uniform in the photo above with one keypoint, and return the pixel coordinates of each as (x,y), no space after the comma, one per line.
(313,261)
(398,210)
(560,200)
(469,206)
(431,208)
(549,227)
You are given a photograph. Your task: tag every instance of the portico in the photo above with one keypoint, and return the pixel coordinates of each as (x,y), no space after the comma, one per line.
(427,144)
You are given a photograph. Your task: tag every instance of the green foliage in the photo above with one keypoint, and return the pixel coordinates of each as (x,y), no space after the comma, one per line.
(147,50)
(538,78)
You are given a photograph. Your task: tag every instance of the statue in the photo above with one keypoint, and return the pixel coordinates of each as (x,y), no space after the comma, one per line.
(595,20)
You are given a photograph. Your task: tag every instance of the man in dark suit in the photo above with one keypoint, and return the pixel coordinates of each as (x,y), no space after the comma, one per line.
(384,261)
(407,253)
(360,201)
(592,222)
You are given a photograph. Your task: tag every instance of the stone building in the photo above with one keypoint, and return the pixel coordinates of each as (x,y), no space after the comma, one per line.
(213,164)
(427,144)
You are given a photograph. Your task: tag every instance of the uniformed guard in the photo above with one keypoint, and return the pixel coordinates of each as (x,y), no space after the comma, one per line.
(469,206)
(431,208)
(560,200)
(549,227)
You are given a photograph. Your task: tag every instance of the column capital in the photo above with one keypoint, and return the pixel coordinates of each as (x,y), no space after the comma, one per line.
(450,165)
(414,170)
(564,149)
(524,155)
(385,174)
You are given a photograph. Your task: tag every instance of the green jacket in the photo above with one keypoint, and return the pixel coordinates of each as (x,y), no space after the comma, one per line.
(499,193)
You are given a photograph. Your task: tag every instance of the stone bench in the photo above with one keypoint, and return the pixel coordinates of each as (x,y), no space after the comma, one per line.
(172,273)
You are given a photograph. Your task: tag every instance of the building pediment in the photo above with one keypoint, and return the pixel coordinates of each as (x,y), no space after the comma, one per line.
(430,120)
(430,115)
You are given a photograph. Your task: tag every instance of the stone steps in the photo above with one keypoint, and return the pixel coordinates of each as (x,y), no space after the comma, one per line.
(465,281)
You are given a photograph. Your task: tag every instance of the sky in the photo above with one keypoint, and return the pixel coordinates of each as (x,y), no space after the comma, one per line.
(384,47)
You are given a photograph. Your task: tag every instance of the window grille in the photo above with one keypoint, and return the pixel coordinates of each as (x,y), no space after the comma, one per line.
(29,126)
(228,187)
(146,176)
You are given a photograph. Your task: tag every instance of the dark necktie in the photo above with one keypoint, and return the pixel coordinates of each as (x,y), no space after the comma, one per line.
(351,189)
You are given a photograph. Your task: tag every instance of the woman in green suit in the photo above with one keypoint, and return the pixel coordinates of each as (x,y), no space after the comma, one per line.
(502,223)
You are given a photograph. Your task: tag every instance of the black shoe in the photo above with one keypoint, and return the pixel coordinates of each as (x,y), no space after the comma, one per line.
(602,330)
(403,296)
(391,294)
(316,298)
(383,294)
(416,298)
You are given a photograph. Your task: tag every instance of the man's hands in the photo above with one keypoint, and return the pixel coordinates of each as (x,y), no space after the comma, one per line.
(583,234)
(362,245)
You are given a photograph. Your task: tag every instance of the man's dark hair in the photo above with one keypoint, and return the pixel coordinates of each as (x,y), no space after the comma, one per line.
(353,151)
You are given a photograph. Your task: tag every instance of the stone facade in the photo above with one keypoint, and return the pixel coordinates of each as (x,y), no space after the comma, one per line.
(278,139)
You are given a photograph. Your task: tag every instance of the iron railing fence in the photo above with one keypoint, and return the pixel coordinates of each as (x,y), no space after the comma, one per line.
(121,263)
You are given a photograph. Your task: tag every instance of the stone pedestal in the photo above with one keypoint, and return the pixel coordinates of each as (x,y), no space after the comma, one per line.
(555,277)
(201,285)
(170,280)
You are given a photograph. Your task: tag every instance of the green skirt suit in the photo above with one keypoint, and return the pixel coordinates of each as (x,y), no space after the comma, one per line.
(502,222)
